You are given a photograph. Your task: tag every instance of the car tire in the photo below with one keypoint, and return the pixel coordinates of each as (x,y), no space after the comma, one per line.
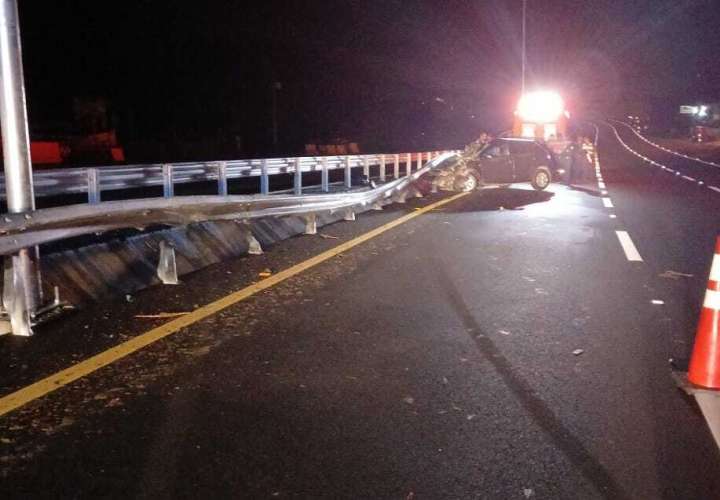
(465,183)
(541,178)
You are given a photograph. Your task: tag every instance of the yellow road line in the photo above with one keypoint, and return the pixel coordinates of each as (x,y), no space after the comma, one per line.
(64,377)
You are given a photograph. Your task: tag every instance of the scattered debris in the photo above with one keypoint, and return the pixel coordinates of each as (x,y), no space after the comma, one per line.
(265,273)
(67,421)
(161,315)
(445,381)
(409,400)
(470,417)
(328,236)
(503,332)
(528,492)
(198,351)
(129,298)
(529,279)
(541,291)
(657,302)
(674,275)
(113,403)
(578,352)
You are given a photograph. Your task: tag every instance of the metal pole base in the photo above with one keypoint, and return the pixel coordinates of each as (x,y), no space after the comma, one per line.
(16,288)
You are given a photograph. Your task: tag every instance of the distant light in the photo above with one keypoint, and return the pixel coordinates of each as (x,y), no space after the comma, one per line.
(542,106)
(702,111)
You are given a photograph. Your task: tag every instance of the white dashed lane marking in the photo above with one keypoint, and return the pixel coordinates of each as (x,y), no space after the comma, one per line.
(607,202)
(628,246)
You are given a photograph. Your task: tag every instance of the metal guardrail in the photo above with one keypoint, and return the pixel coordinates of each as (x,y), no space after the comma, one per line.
(24,230)
(94,180)
(21,231)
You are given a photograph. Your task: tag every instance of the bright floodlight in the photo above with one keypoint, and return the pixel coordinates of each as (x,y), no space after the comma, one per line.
(542,106)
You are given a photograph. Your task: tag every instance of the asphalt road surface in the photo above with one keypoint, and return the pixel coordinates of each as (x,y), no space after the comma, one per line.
(510,344)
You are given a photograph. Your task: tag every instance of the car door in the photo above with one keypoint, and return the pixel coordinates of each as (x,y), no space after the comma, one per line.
(523,159)
(496,163)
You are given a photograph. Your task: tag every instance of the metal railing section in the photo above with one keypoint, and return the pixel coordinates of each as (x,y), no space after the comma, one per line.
(92,181)
(24,230)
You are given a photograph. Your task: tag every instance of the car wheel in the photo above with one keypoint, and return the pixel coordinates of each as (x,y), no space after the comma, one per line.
(541,178)
(467,183)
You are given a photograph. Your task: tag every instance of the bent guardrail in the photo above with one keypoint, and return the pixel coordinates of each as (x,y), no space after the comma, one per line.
(29,229)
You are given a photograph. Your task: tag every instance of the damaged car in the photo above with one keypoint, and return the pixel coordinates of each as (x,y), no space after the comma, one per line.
(499,163)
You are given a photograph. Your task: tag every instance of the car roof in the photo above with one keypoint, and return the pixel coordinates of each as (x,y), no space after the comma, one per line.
(518,139)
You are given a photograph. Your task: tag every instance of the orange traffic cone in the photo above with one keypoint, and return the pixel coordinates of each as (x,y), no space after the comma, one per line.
(705,361)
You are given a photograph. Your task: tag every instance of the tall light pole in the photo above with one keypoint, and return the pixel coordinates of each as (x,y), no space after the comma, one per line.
(522,85)
(22,292)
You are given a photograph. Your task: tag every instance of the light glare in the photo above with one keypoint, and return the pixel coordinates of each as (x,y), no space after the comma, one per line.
(542,106)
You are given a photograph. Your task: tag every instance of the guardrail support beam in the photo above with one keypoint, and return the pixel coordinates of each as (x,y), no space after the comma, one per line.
(396,171)
(408,164)
(168,186)
(325,176)
(311,224)
(349,214)
(382,168)
(22,291)
(254,247)
(264,178)
(167,267)
(297,180)
(348,173)
(222,179)
(93,187)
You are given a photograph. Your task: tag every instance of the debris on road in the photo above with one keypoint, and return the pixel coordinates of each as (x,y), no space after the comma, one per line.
(265,273)
(503,332)
(328,236)
(578,352)
(409,400)
(161,315)
(528,492)
(657,302)
(129,298)
(674,275)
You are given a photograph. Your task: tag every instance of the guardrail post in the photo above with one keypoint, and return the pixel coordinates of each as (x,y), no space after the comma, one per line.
(168,186)
(419,161)
(297,180)
(311,224)
(93,186)
(325,176)
(222,179)
(408,164)
(382,168)
(366,168)
(396,171)
(264,179)
(348,173)
(167,267)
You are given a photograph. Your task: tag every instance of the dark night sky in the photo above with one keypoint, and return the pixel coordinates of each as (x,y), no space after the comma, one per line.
(367,70)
